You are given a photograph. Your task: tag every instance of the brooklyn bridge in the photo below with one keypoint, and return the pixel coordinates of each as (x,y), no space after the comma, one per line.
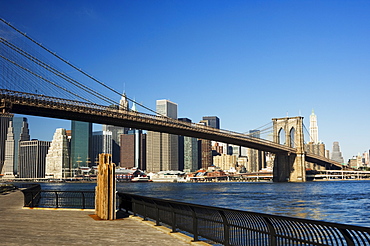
(31,84)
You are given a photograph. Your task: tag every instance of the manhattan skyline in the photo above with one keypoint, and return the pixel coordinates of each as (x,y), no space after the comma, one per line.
(245,62)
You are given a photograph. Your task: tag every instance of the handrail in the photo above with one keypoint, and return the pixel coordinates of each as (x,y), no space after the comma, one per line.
(35,197)
(236,227)
(31,193)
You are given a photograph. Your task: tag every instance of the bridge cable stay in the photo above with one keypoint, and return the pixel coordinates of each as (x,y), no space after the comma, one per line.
(76,68)
(262,130)
(27,70)
(55,72)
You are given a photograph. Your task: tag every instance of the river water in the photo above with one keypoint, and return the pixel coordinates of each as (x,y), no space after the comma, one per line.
(345,202)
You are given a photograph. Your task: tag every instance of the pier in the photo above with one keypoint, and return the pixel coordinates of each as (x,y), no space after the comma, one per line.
(25,226)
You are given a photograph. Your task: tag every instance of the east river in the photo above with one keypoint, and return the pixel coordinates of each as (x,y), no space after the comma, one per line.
(345,202)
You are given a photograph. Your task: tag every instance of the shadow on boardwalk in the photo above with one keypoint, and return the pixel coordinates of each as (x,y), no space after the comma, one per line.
(21,226)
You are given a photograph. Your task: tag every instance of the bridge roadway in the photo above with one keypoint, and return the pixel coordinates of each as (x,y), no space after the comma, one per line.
(45,106)
(75,227)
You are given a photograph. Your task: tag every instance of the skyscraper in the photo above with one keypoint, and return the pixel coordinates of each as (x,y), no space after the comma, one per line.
(162,148)
(32,158)
(21,133)
(57,158)
(4,124)
(117,131)
(101,143)
(206,145)
(314,130)
(212,121)
(8,168)
(18,131)
(188,151)
(81,145)
(133,149)
(336,154)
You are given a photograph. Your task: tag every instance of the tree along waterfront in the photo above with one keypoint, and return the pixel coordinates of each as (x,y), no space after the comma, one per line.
(345,202)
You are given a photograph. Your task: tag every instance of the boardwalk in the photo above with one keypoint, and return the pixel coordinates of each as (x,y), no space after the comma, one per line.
(19,226)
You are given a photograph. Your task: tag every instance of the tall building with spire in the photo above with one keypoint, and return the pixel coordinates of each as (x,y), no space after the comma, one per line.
(4,124)
(117,131)
(8,168)
(17,131)
(123,103)
(314,130)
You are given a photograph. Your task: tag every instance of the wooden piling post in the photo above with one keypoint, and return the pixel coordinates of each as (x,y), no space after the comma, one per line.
(105,191)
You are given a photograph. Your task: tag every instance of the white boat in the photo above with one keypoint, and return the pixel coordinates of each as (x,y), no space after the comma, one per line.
(168,176)
(140,179)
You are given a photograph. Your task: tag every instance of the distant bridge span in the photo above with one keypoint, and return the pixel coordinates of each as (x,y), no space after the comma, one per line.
(45,106)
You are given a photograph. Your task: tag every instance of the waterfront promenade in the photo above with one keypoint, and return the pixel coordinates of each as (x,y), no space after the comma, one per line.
(24,226)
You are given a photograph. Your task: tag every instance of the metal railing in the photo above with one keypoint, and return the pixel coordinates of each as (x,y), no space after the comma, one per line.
(35,197)
(235,227)
(31,193)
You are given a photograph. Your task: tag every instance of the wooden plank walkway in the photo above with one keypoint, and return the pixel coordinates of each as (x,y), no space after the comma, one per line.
(24,226)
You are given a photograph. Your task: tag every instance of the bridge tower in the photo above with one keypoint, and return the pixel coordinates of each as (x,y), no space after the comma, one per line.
(289,167)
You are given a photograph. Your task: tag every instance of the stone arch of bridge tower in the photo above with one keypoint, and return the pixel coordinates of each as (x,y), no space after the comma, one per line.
(281,136)
(292,137)
(289,166)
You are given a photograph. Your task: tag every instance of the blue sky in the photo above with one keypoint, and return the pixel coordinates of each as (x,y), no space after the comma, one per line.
(243,61)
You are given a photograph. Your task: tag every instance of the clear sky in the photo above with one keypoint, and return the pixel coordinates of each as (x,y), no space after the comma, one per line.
(243,61)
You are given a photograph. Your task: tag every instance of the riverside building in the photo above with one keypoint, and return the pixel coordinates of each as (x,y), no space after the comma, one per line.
(80,145)
(57,159)
(4,124)
(336,154)
(162,148)
(32,158)
(17,131)
(188,152)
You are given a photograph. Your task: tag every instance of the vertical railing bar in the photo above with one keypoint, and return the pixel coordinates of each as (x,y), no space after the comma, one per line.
(347,237)
(173,218)
(272,232)
(56,199)
(145,215)
(134,207)
(226,228)
(156,214)
(32,197)
(83,200)
(195,224)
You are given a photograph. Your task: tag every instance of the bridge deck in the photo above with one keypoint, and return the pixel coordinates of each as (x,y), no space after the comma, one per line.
(73,227)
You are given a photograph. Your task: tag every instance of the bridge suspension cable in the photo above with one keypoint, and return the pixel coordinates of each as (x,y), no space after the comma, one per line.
(311,140)
(63,75)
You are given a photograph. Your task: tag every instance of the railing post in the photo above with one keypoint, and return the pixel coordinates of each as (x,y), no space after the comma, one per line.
(195,225)
(272,232)
(134,207)
(156,214)
(347,237)
(173,219)
(226,228)
(56,199)
(83,200)
(31,199)
(144,205)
